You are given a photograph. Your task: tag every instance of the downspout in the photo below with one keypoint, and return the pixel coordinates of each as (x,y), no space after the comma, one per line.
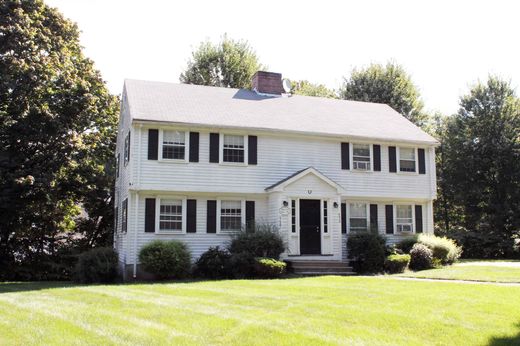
(137,185)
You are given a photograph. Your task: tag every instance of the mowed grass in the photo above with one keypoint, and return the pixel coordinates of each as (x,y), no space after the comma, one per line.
(304,311)
(483,272)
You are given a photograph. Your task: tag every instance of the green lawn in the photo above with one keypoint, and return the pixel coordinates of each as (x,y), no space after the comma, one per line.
(493,273)
(312,311)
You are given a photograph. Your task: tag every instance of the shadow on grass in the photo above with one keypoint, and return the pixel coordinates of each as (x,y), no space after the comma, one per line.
(505,340)
(10,287)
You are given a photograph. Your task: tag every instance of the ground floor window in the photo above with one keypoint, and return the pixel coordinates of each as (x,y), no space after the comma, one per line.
(230,216)
(404,218)
(170,215)
(358,217)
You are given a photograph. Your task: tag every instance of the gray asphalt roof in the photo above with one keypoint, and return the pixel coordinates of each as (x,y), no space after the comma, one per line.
(227,107)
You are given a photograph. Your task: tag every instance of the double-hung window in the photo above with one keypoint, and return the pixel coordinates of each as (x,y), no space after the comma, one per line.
(407,159)
(233,149)
(230,216)
(126,153)
(404,218)
(174,145)
(170,215)
(361,157)
(358,217)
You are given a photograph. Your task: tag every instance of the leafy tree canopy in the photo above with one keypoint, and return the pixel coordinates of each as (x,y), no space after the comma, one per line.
(389,84)
(303,87)
(230,64)
(57,131)
(481,153)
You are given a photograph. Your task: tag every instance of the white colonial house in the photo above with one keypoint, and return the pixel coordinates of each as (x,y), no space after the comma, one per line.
(197,163)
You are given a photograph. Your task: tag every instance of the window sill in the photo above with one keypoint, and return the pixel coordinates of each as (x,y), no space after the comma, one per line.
(172,161)
(236,164)
(407,173)
(169,232)
(362,171)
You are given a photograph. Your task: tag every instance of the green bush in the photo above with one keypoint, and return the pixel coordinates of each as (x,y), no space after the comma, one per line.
(96,266)
(242,265)
(265,241)
(421,257)
(166,259)
(269,267)
(406,244)
(396,263)
(443,249)
(214,264)
(367,252)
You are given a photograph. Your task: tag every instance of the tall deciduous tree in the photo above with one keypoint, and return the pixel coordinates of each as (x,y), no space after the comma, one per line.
(303,87)
(389,84)
(482,161)
(230,64)
(57,128)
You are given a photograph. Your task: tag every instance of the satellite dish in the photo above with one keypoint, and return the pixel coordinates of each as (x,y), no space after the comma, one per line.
(286,85)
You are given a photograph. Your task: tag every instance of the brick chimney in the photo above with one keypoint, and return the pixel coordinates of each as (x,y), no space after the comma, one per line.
(267,83)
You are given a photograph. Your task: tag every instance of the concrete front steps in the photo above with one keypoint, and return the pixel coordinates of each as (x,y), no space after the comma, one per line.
(319,267)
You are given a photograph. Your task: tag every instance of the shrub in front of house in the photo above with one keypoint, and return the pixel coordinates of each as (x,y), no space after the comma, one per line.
(396,263)
(263,241)
(214,264)
(269,267)
(242,265)
(98,265)
(444,250)
(367,252)
(166,259)
(406,244)
(421,257)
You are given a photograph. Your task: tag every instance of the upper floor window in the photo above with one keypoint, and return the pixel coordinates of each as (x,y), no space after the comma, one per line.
(174,145)
(170,215)
(230,216)
(361,157)
(404,218)
(233,149)
(407,159)
(126,153)
(358,217)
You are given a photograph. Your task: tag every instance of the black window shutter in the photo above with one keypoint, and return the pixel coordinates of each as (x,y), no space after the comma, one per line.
(129,145)
(149,215)
(377,157)
(118,162)
(389,211)
(418,219)
(392,159)
(343,217)
(213,147)
(251,149)
(153,144)
(345,156)
(194,147)
(116,219)
(373,217)
(422,163)
(191,215)
(211,223)
(250,215)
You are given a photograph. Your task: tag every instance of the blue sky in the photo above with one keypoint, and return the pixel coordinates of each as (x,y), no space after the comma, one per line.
(445,45)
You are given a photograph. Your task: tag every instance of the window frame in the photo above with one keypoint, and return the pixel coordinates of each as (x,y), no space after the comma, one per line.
(124,216)
(219,214)
(367,208)
(416,160)
(158,200)
(411,205)
(186,146)
(221,149)
(371,153)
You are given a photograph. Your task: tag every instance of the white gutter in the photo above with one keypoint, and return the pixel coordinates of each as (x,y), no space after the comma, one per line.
(137,181)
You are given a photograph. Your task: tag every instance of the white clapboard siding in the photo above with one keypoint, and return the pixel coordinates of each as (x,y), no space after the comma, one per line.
(278,158)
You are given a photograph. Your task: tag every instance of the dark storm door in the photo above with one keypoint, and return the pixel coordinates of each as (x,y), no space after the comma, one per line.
(310,227)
